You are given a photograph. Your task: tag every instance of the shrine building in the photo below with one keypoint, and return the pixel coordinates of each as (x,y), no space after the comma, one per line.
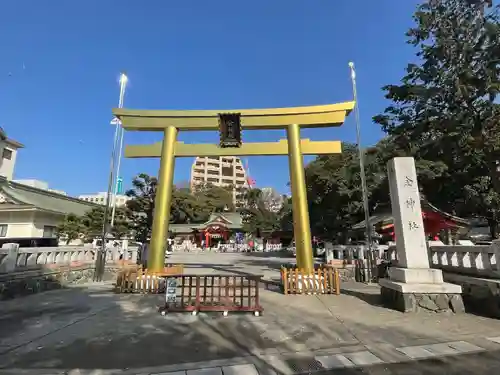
(219,227)
(436,223)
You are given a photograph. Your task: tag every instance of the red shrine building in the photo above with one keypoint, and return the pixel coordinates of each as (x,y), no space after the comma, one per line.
(436,223)
(220,227)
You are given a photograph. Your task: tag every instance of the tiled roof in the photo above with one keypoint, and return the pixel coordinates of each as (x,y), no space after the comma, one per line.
(384,218)
(232,220)
(373,221)
(3,137)
(43,199)
(232,217)
(180,228)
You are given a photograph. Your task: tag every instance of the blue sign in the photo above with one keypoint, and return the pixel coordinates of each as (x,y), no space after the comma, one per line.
(119,185)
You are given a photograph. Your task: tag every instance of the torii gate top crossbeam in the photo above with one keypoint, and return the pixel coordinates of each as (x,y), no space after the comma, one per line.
(271,118)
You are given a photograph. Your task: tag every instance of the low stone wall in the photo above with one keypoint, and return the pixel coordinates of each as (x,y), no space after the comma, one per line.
(480,295)
(414,302)
(17,284)
(13,258)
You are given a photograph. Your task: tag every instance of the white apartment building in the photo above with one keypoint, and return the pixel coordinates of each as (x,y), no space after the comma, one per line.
(223,171)
(8,153)
(100,198)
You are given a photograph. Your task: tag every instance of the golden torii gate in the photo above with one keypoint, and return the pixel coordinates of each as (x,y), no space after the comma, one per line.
(170,122)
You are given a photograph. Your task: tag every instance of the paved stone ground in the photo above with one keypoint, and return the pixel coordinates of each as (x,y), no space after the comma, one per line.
(89,330)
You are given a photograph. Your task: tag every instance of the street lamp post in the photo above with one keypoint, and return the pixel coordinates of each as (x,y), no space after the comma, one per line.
(101,253)
(123,84)
(364,189)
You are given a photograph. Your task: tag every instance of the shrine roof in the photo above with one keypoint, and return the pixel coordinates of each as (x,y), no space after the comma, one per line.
(374,220)
(181,228)
(456,219)
(384,217)
(230,220)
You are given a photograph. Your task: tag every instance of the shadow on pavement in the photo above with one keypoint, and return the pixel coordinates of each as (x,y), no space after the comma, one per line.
(93,328)
(126,331)
(370,295)
(269,254)
(484,363)
(269,263)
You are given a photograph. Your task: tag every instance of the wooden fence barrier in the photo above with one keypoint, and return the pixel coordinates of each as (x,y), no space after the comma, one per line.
(223,293)
(124,274)
(324,280)
(137,280)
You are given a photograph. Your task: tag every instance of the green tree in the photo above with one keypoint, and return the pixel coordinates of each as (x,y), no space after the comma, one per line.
(444,112)
(141,205)
(257,217)
(188,208)
(94,218)
(285,215)
(93,222)
(71,228)
(335,193)
(214,198)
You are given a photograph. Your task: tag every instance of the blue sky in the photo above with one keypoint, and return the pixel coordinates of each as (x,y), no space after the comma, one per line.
(60,62)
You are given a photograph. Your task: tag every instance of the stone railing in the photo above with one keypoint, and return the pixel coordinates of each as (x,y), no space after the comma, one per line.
(131,254)
(14,258)
(233,247)
(274,247)
(351,252)
(185,247)
(346,252)
(391,254)
(478,261)
(228,247)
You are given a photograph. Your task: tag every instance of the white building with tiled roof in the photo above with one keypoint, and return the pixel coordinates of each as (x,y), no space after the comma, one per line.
(29,210)
(26,211)
(8,155)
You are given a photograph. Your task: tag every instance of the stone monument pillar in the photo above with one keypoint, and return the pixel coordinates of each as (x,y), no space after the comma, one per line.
(412,285)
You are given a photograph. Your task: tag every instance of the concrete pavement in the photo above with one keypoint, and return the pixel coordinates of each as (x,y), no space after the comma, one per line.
(89,330)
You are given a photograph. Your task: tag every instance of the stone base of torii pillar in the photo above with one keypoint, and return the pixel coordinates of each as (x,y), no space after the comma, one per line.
(412,285)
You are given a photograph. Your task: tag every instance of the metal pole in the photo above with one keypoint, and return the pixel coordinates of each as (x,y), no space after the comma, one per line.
(123,85)
(117,178)
(364,189)
(101,254)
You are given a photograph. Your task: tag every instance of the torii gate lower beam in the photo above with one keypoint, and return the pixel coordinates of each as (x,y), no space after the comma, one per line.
(184,150)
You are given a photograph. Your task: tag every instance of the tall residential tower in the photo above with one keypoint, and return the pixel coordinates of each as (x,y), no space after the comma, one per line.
(223,171)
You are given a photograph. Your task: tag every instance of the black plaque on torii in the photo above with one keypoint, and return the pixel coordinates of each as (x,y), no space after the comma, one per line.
(230,130)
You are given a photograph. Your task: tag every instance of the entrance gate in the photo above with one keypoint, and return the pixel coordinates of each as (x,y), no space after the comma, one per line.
(230,123)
